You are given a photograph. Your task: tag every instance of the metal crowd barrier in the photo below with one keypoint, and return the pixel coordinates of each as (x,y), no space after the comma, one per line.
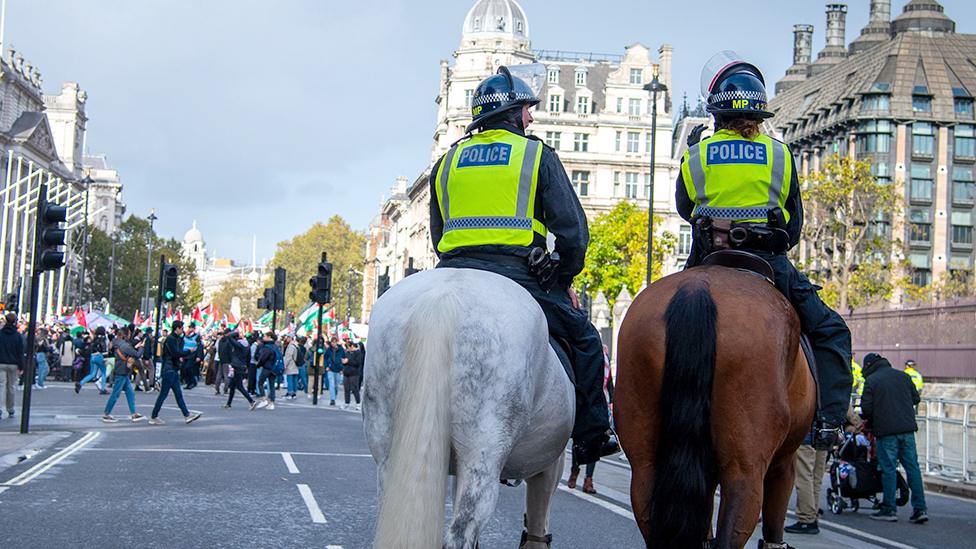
(946,438)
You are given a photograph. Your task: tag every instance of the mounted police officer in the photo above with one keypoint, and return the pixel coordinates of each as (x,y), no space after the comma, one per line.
(739,189)
(495,196)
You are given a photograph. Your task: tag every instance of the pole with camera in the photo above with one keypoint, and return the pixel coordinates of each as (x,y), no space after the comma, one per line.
(321,294)
(48,256)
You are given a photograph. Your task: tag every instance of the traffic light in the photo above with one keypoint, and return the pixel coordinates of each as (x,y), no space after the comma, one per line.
(383,283)
(266,302)
(321,283)
(171,277)
(49,219)
(279,288)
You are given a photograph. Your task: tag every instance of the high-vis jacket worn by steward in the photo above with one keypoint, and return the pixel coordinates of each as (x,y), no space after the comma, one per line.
(730,177)
(486,188)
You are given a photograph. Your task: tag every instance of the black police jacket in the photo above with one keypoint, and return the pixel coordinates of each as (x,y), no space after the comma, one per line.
(889,400)
(556,205)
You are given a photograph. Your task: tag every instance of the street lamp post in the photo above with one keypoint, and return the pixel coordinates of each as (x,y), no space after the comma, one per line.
(152,217)
(654,87)
(111,276)
(87,181)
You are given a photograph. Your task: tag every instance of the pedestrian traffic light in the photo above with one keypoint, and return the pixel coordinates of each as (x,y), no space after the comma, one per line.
(279,288)
(267,302)
(171,277)
(321,283)
(51,235)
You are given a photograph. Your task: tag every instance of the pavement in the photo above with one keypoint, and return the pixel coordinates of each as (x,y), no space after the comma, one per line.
(297,476)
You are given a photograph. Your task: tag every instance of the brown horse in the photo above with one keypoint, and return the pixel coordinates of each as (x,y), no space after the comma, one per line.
(712,390)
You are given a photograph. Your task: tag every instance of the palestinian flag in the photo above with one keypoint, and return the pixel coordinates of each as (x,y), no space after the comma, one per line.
(264,321)
(230,320)
(197,316)
(82,319)
(137,319)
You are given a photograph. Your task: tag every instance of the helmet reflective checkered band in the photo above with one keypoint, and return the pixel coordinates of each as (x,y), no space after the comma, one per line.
(734,87)
(505,91)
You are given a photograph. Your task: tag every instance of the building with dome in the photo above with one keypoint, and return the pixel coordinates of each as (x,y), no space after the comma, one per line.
(594,112)
(901,97)
(194,248)
(213,272)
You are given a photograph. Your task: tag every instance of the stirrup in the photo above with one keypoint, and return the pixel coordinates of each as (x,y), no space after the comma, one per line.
(526,538)
(771,545)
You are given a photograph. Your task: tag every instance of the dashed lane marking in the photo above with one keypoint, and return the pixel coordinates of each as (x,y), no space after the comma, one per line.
(313,506)
(289,463)
(599,502)
(52,460)
(333,547)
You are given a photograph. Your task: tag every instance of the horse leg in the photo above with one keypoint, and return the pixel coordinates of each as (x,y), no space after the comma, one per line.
(538,498)
(776,498)
(739,508)
(641,488)
(476,494)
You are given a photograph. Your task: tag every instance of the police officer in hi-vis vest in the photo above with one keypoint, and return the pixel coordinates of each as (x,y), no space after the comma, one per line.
(495,195)
(739,189)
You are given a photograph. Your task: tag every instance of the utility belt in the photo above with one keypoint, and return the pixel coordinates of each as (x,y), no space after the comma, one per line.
(544,266)
(725,234)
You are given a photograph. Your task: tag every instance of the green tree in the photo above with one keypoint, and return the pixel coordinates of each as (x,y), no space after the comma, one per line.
(617,256)
(847,220)
(245,290)
(131,241)
(300,256)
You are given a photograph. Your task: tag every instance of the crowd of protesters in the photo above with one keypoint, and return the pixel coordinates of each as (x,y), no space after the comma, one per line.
(123,360)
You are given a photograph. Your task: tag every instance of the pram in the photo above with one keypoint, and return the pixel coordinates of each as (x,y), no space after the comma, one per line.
(854,475)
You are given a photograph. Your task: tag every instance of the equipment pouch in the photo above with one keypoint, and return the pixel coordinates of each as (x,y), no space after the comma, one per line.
(544,266)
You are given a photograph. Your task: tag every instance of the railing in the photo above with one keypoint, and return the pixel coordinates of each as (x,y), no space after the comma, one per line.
(946,438)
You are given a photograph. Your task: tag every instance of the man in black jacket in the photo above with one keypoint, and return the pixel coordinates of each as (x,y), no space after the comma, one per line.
(240,356)
(174,352)
(11,359)
(888,404)
(223,362)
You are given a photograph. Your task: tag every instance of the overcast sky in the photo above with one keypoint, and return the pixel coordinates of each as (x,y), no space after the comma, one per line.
(266,116)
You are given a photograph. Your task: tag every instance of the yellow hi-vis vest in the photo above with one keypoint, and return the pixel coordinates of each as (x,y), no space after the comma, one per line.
(916,377)
(857,376)
(730,177)
(486,189)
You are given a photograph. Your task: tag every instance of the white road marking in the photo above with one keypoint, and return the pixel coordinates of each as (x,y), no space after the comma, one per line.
(333,547)
(210,451)
(599,502)
(4,489)
(290,463)
(313,507)
(859,533)
(52,460)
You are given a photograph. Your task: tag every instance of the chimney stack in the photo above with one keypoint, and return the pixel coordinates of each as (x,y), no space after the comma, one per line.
(880,11)
(837,25)
(802,44)
(878,29)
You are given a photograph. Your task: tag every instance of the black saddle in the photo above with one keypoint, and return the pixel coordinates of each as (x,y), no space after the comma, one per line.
(565,353)
(743,261)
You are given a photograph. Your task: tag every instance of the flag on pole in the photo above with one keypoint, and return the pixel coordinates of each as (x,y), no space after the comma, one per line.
(137,319)
(197,316)
(80,315)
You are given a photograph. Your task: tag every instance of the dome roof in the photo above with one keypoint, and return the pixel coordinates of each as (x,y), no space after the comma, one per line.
(923,16)
(194,234)
(497,17)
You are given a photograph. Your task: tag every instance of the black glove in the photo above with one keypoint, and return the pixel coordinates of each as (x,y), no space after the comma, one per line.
(695,135)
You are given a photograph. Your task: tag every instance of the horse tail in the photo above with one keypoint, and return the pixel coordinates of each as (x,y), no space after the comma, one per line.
(685,462)
(415,483)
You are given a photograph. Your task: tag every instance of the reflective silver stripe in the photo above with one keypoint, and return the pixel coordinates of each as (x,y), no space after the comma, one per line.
(488,222)
(525,178)
(697,174)
(779,171)
(446,165)
(732,213)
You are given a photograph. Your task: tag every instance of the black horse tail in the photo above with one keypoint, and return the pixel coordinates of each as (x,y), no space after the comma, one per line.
(685,463)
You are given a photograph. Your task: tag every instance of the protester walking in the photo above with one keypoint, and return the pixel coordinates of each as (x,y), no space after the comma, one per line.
(223,362)
(268,356)
(43,350)
(352,372)
(888,405)
(97,350)
(240,354)
(291,366)
(193,361)
(126,356)
(334,356)
(302,361)
(11,360)
(174,351)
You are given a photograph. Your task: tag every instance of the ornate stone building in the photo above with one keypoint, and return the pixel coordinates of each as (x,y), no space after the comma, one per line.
(900,96)
(594,112)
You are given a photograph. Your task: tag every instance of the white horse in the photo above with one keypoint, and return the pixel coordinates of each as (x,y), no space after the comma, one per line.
(460,379)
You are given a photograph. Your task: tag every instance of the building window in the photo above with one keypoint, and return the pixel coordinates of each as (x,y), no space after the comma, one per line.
(921,275)
(630,185)
(636,76)
(633,142)
(467,98)
(881,173)
(960,262)
(965,141)
(684,240)
(555,103)
(920,229)
(962,228)
(616,141)
(583,105)
(963,107)
(873,136)
(581,142)
(921,190)
(876,103)
(880,227)
(647,142)
(581,182)
(633,107)
(923,139)
(963,185)
(921,103)
(581,77)
(647,185)
(553,139)
(616,183)
(552,76)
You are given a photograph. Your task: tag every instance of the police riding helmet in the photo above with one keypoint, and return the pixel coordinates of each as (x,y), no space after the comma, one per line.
(498,94)
(734,87)
(910,363)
